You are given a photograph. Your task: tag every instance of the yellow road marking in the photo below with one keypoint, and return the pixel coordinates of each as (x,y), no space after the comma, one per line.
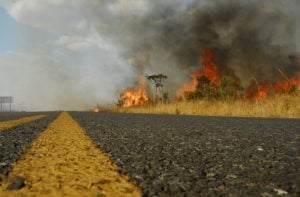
(11,123)
(63,161)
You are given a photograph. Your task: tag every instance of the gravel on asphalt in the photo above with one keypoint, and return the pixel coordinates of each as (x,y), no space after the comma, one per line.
(5,116)
(4,125)
(15,141)
(208,156)
(63,161)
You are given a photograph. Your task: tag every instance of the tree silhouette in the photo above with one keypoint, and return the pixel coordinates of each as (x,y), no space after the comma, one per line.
(157,80)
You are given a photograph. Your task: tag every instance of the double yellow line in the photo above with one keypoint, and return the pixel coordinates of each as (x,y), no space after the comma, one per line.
(63,161)
(11,123)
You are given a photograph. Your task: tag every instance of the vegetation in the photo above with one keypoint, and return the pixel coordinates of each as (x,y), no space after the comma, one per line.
(120,102)
(223,99)
(157,81)
(284,105)
(206,89)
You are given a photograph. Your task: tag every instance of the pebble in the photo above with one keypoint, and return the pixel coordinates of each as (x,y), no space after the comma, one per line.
(280,191)
(231,176)
(210,175)
(17,183)
(260,148)
(3,164)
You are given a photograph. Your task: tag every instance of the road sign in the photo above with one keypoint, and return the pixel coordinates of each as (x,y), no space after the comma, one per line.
(5,100)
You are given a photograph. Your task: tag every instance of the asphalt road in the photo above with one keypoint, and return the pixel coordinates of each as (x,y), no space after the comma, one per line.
(15,141)
(5,116)
(201,156)
(184,155)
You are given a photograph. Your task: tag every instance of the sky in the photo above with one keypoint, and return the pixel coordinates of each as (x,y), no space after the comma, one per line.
(74,54)
(52,59)
(7,33)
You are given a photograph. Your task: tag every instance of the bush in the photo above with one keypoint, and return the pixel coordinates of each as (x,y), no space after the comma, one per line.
(226,90)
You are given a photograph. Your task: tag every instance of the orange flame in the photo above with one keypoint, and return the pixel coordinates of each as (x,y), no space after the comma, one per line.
(209,71)
(136,97)
(283,85)
(96,109)
(286,85)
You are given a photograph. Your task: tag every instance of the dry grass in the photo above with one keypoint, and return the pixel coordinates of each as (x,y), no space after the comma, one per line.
(287,106)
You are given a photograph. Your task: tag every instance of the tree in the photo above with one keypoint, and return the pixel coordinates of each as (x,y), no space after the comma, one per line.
(157,80)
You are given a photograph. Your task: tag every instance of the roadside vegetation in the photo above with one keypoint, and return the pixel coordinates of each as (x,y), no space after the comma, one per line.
(285,105)
(223,97)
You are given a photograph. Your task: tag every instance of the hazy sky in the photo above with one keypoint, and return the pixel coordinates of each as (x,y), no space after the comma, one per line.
(51,56)
(74,54)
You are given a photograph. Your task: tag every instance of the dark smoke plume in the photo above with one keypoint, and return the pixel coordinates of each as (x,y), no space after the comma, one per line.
(249,39)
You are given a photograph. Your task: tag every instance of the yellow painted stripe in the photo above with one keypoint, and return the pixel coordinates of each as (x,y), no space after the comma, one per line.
(11,123)
(63,161)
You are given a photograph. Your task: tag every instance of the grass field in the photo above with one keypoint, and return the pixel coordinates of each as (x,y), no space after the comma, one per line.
(279,106)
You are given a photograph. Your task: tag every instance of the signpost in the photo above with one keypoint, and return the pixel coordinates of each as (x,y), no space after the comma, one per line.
(5,100)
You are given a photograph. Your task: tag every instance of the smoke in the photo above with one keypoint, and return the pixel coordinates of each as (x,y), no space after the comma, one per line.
(75,54)
(58,60)
(250,39)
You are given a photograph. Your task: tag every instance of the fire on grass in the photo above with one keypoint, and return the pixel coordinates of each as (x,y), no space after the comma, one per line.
(131,97)
(284,85)
(209,75)
(209,79)
(96,109)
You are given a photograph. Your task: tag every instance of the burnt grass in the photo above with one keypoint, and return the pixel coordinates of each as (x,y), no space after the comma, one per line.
(169,155)
(16,140)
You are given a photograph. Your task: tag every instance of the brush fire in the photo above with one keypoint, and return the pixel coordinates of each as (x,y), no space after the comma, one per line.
(209,75)
(96,109)
(221,51)
(283,85)
(133,97)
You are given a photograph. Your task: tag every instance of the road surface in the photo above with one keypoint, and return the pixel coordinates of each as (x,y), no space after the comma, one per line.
(164,155)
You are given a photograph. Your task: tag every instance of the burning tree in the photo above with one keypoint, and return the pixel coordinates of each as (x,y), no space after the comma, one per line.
(207,83)
(157,80)
(205,76)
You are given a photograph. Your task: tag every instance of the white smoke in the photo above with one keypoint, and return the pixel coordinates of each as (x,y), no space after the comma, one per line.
(62,62)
